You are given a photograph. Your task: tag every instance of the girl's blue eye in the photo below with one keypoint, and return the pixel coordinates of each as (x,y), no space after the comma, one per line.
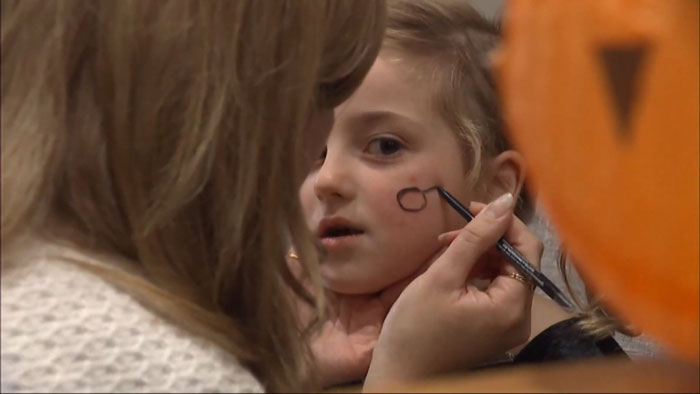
(384,146)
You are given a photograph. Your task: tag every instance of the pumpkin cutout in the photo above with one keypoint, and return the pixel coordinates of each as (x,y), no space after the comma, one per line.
(602,99)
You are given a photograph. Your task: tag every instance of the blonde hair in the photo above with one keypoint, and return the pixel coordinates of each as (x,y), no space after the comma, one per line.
(451,43)
(594,320)
(167,134)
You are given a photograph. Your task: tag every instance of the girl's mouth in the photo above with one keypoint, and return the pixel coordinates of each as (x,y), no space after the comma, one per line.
(337,234)
(341,232)
(337,240)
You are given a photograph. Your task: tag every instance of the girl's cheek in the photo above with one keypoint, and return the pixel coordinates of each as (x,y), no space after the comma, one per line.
(308,200)
(389,204)
(389,207)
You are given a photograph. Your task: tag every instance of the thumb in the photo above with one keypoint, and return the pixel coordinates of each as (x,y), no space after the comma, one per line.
(477,237)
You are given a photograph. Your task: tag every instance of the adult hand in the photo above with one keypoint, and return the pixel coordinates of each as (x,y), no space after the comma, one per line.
(439,323)
(342,346)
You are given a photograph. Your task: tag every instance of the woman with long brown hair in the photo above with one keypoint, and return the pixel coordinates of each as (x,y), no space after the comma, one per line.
(151,153)
(154,145)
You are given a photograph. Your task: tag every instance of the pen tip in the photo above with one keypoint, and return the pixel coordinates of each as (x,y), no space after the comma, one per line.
(565,303)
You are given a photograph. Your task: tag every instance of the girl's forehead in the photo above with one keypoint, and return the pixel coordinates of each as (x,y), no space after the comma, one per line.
(393,84)
(412,68)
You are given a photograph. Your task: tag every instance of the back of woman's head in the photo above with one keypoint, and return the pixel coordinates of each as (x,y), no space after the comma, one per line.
(168,134)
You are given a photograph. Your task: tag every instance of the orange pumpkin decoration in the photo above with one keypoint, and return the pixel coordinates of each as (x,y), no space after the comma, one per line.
(602,99)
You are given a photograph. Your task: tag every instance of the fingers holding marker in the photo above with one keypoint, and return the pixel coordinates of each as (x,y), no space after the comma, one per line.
(475,239)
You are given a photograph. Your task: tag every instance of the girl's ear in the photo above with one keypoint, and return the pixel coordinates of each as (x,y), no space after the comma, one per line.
(505,173)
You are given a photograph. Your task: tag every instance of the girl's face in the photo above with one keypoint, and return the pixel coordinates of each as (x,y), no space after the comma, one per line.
(386,137)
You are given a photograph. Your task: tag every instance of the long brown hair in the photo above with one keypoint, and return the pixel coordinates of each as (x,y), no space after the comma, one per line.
(167,134)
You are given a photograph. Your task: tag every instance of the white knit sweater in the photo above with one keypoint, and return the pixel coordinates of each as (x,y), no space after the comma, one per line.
(64,329)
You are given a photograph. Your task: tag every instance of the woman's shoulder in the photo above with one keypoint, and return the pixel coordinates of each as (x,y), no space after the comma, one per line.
(65,329)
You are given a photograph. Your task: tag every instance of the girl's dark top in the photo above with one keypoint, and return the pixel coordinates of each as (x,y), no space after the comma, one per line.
(565,341)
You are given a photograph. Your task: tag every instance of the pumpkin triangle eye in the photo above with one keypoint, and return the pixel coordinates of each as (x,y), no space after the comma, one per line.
(622,66)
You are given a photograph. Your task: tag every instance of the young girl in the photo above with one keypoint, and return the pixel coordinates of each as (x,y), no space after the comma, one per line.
(427,114)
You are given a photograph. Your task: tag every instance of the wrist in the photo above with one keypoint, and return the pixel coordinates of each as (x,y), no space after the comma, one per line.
(390,368)
(382,371)
(381,376)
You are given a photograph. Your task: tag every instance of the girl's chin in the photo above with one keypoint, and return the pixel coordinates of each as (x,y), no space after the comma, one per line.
(344,283)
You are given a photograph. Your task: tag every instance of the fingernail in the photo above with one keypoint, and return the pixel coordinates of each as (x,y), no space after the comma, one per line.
(442,237)
(500,206)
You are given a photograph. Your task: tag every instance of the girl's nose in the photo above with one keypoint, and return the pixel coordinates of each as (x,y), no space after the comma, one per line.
(333,180)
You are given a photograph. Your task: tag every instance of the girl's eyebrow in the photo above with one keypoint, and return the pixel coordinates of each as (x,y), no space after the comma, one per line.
(382,116)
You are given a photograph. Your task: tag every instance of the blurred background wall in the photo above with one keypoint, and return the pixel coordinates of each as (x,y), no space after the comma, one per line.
(489,8)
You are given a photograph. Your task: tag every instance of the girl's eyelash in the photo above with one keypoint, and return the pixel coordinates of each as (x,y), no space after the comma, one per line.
(380,147)
(384,146)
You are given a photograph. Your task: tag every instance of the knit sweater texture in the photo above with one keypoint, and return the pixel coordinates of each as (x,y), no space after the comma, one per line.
(66,330)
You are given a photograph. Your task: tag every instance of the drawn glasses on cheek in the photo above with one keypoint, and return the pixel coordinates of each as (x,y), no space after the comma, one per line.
(412,199)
